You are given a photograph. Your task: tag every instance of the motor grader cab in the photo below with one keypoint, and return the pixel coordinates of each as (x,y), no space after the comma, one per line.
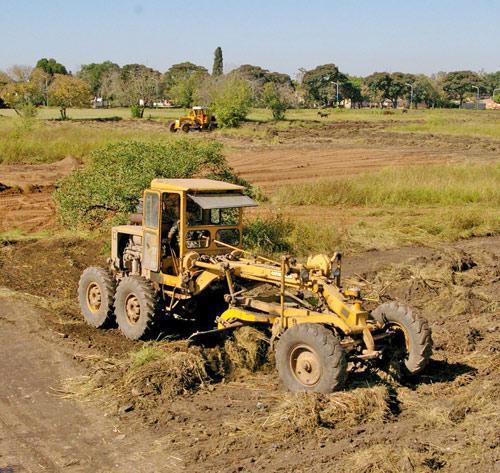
(182,218)
(198,118)
(185,260)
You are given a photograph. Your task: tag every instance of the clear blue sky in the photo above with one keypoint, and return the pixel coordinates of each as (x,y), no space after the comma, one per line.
(360,36)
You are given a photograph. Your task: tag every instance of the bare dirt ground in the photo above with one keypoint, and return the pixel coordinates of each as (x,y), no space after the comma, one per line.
(25,194)
(445,421)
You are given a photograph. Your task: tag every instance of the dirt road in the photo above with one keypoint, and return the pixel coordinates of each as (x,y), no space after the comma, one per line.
(40,431)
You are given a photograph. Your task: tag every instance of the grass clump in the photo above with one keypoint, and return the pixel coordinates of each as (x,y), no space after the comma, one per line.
(246,350)
(268,234)
(414,185)
(305,413)
(113,181)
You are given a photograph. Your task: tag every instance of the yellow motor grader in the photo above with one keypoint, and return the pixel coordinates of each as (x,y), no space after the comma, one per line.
(183,259)
(198,119)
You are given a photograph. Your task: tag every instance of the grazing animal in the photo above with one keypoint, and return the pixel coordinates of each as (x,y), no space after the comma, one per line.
(323,114)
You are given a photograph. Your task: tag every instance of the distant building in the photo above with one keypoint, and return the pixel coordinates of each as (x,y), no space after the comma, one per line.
(163,104)
(490,104)
(99,102)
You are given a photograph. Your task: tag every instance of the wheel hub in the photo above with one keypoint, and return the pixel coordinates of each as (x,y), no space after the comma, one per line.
(132,309)
(305,365)
(94,297)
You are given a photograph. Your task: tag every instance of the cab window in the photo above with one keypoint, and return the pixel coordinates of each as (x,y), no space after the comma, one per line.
(151,209)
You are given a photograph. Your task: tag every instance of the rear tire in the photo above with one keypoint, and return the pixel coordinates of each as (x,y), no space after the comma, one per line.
(412,344)
(96,291)
(185,127)
(309,357)
(136,307)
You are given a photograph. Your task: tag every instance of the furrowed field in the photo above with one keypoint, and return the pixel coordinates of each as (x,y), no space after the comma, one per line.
(413,201)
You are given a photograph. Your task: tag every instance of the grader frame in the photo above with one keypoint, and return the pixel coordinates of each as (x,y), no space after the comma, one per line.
(316,325)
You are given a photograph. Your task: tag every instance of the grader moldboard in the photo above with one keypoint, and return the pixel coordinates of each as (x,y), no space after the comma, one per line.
(185,256)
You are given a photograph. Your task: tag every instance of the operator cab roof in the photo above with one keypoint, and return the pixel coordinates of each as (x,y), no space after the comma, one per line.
(194,185)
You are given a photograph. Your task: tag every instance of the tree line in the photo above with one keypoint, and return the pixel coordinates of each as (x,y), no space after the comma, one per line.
(137,86)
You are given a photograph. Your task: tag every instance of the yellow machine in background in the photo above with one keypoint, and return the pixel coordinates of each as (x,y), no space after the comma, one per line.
(185,261)
(199,118)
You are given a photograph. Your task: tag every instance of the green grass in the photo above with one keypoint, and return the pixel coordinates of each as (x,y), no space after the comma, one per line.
(470,123)
(456,184)
(39,140)
(146,354)
(14,235)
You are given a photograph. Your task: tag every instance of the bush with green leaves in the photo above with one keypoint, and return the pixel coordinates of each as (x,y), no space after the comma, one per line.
(275,97)
(111,185)
(231,100)
(136,111)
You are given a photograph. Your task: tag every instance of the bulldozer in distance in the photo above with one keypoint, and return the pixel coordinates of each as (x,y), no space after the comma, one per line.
(183,259)
(198,119)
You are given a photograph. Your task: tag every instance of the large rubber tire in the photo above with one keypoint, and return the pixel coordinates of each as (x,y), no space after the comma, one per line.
(136,307)
(309,357)
(96,291)
(185,127)
(171,127)
(413,339)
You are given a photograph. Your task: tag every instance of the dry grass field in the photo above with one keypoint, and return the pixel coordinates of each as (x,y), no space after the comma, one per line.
(413,201)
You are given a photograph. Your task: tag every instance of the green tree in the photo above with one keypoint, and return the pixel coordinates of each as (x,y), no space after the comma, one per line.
(94,74)
(320,83)
(257,77)
(51,66)
(458,84)
(218,67)
(19,96)
(231,100)
(67,91)
(21,90)
(186,91)
(388,86)
(137,86)
(179,73)
(117,174)
(491,81)
(40,82)
(276,97)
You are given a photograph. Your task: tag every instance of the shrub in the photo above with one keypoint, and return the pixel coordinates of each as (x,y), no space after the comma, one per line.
(113,181)
(136,111)
(268,235)
(274,97)
(231,100)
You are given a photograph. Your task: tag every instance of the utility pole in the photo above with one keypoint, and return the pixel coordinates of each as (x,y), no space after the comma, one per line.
(411,92)
(477,96)
(337,93)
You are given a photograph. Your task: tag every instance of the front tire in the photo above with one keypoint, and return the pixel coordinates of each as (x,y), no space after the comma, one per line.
(185,127)
(96,291)
(411,346)
(309,357)
(136,307)
(172,127)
